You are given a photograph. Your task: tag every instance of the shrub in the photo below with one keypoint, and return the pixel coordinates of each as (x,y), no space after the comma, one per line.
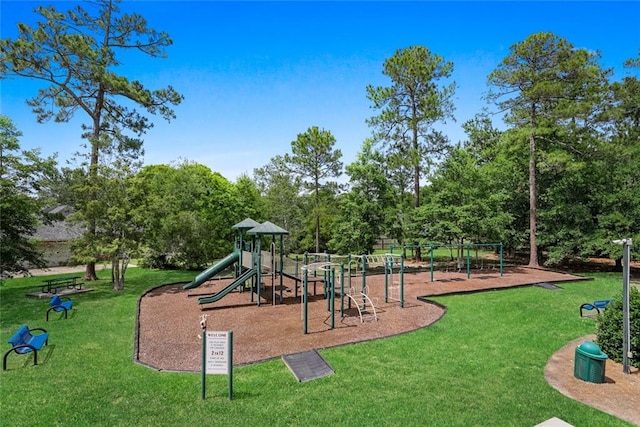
(609,328)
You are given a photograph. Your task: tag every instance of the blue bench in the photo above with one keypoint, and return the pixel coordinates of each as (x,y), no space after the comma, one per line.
(58,305)
(596,305)
(23,342)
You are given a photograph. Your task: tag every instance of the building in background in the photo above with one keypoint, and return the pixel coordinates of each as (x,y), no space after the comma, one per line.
(55,238)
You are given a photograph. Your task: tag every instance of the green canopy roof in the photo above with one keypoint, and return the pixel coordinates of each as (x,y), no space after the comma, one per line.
(267,228)
(246,224)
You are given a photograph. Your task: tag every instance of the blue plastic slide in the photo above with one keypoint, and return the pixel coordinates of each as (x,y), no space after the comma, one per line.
(213,270)
(236,283)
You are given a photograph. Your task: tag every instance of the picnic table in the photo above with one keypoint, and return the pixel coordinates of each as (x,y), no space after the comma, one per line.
(60,282)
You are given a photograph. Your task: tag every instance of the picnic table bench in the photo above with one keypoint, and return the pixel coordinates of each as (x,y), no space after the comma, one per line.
(23,342)
(60,282)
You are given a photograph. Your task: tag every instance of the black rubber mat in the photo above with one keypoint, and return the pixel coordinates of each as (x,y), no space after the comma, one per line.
(547,285)
(307,365)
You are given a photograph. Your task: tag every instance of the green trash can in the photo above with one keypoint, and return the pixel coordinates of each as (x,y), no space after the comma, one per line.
(589,363)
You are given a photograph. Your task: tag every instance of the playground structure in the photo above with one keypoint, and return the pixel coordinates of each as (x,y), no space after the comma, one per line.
(340,276)
(351,273)
(462,260)
(251,264)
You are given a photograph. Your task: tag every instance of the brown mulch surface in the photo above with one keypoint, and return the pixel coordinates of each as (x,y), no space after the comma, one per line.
(169,327)
(169,319)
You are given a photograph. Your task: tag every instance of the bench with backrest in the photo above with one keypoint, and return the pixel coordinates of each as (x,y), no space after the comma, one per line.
(60,282)
(59,305)
(24,342)
(596,305)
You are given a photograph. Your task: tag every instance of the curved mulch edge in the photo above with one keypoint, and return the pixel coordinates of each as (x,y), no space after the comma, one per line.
(393,320)
(136,358)
(435,303)
(165,324)
(136,338)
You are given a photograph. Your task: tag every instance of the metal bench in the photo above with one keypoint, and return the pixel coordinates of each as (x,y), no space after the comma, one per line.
(23,342)
(58,305)
(596,305)
(59,282)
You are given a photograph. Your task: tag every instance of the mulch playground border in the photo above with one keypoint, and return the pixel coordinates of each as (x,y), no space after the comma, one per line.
(424,298)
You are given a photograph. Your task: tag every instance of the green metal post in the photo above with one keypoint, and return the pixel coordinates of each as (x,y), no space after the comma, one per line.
(364,280)
(501,260)
(402,280)
(304,298)
(332,295)
(253,264)
(204,362)
(468,261)
(342,290)
(258,269)
(281,267)
(431,263)
(349,268)
(230,365)
(364,272)
(237,246)
(327,278)
(386,277)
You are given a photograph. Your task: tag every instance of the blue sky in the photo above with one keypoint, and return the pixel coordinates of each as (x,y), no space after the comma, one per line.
(256,74)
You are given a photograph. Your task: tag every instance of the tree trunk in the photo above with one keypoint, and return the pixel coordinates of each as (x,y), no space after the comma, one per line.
(118,270)
(618,265)
(416,176)
(94,140)
(533,247)
(90,272)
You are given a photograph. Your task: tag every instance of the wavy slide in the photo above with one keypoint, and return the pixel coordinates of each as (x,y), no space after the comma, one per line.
(213,270)
(237,282)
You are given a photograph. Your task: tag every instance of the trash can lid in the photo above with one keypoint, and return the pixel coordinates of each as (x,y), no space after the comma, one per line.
(589,347)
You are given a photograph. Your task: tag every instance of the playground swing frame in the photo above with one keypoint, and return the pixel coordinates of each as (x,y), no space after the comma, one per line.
(467,246)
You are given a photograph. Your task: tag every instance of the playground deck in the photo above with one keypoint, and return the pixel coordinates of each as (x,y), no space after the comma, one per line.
(169,320)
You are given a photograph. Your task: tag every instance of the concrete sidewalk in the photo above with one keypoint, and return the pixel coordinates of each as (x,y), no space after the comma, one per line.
(64,270)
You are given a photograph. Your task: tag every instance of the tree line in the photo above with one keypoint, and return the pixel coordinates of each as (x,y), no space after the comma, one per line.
(559,182)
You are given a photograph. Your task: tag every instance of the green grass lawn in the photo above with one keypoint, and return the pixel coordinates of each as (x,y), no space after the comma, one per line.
(481,365)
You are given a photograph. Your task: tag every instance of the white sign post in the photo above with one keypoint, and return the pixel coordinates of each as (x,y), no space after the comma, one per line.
(217,356)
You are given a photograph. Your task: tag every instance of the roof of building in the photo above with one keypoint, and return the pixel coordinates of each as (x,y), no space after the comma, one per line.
(59,230)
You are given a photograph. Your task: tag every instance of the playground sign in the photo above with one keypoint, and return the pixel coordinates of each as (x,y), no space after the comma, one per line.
(217,352)
(217,355)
